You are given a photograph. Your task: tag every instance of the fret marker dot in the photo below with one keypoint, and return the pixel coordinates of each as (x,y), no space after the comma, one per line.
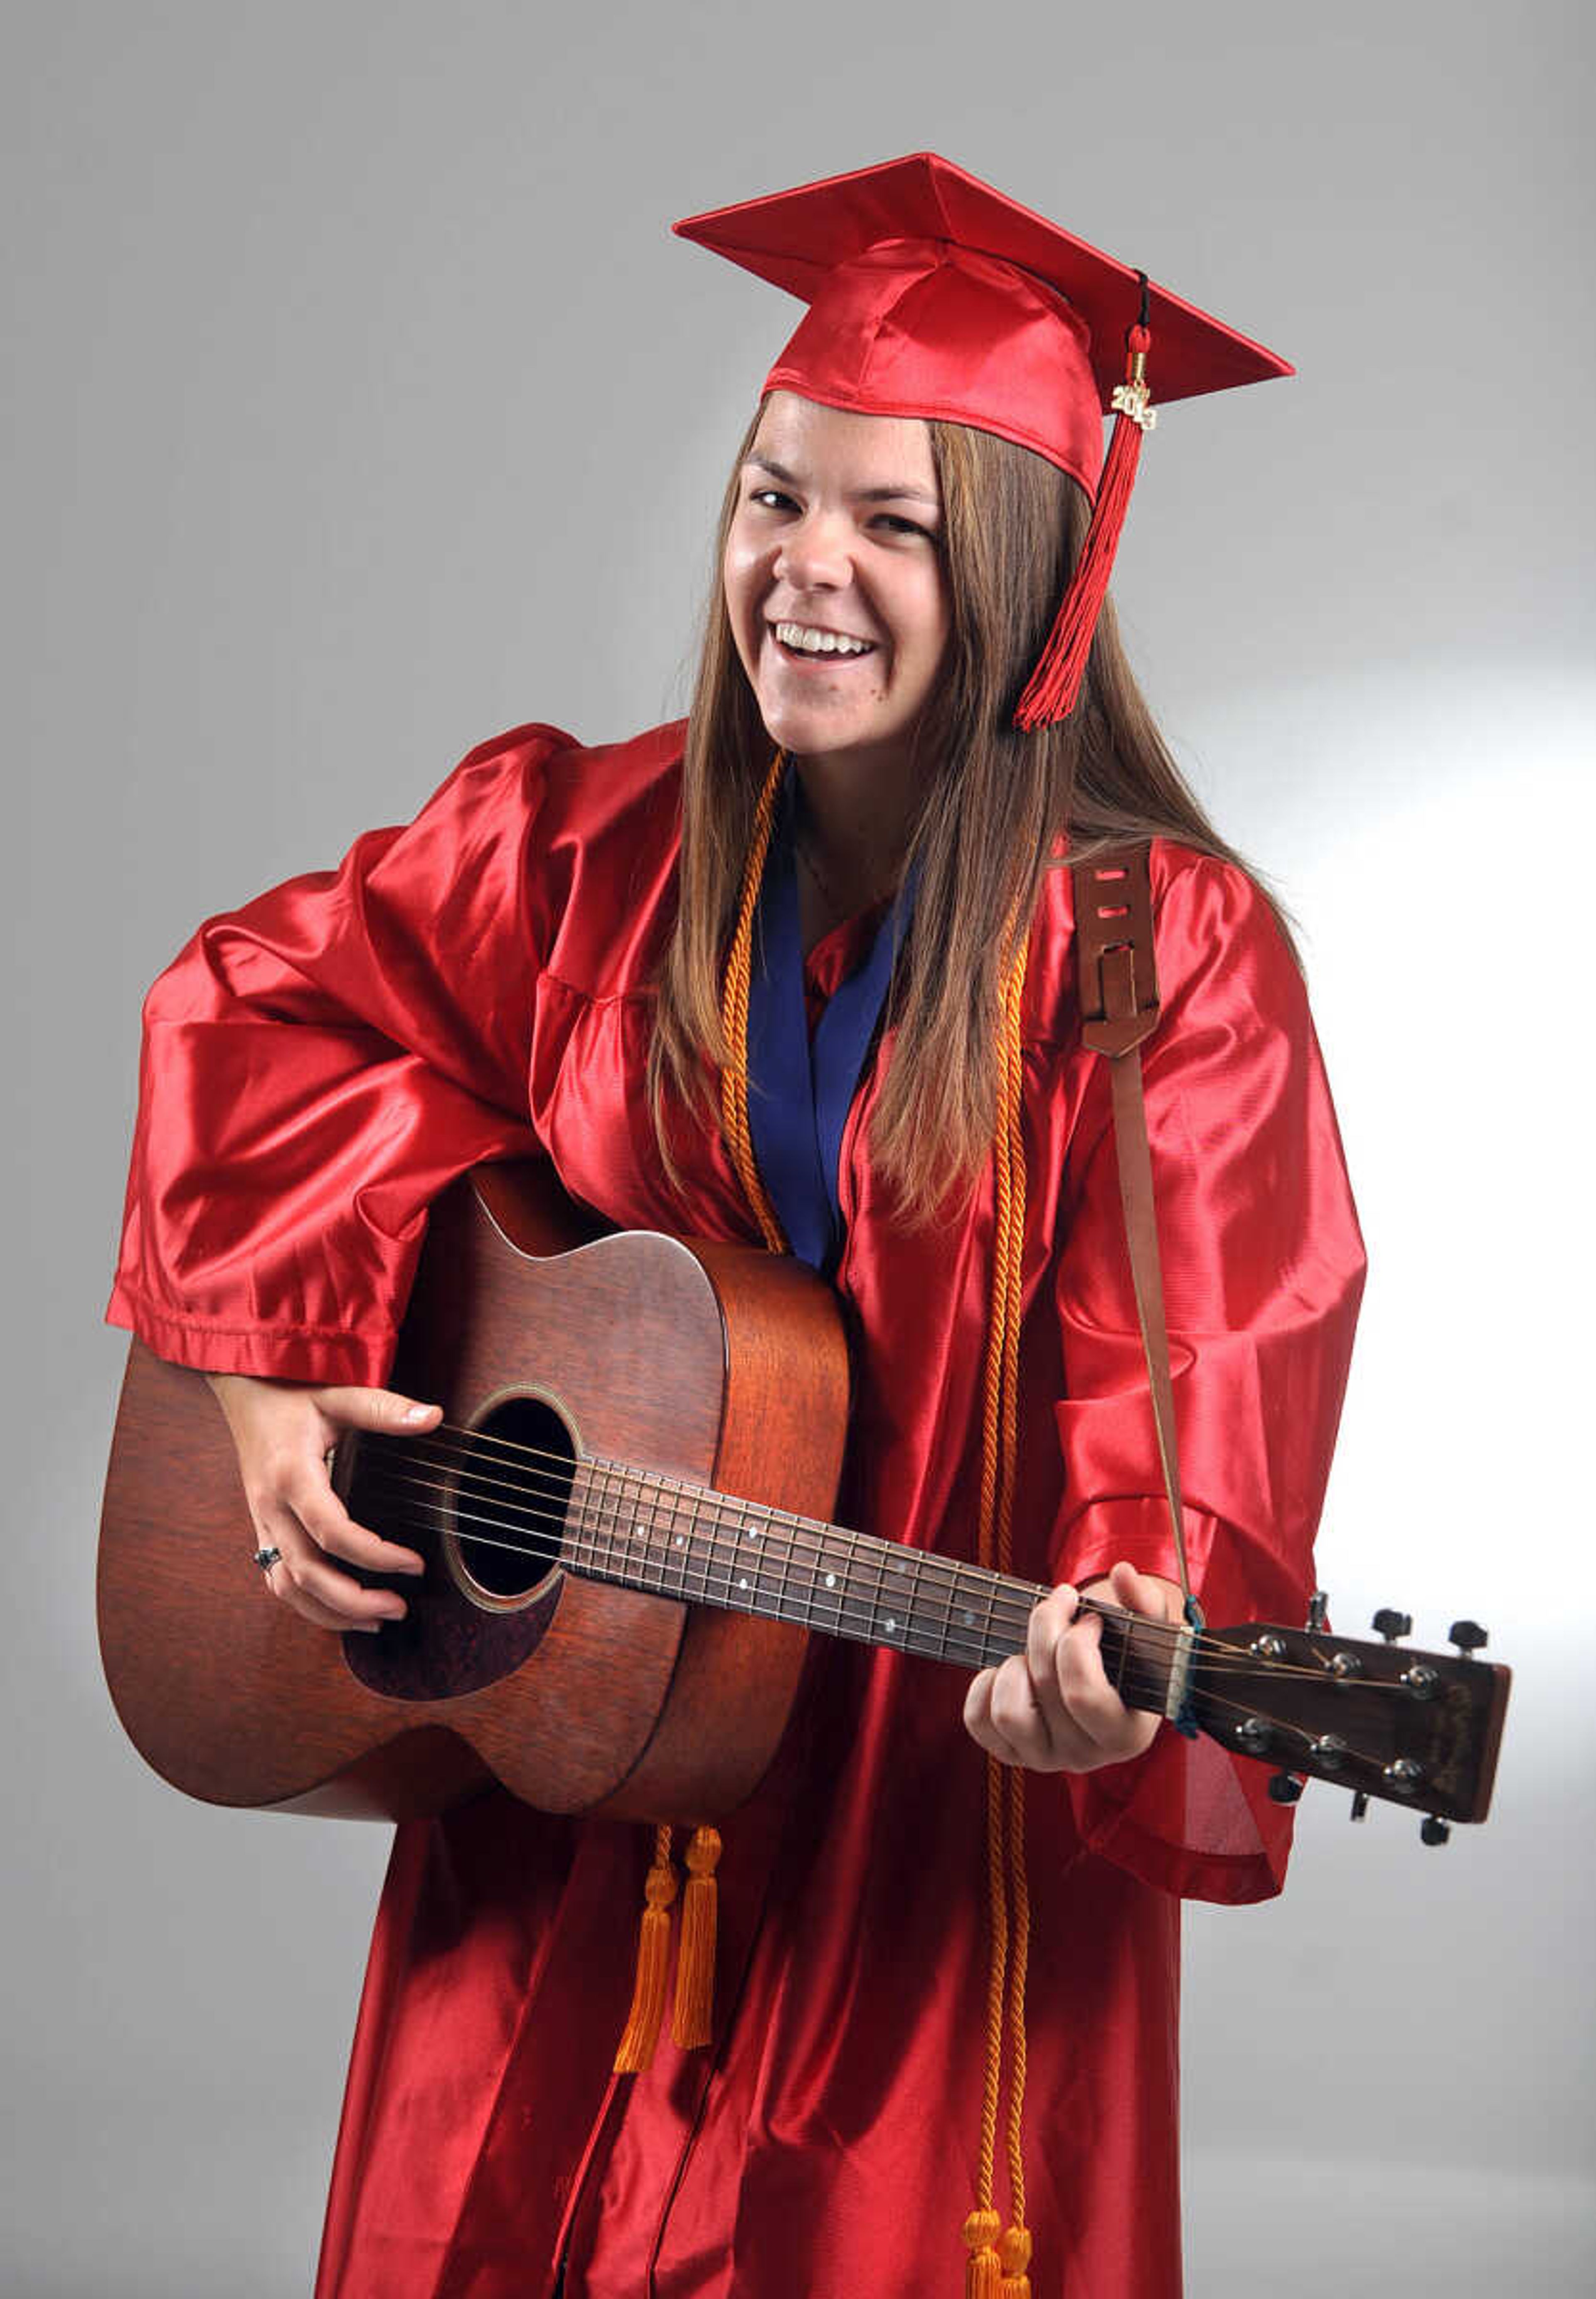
(969,1620)
(681,1539)
(638,1534)
(754,1532)
(891,1626)
(742,1581)
(831,1579)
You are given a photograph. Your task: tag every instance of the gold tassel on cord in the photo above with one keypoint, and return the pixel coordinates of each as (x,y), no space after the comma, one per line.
(1002,2273)
(982,2270)
(1015,2255)
(693,2013)
(635,2049)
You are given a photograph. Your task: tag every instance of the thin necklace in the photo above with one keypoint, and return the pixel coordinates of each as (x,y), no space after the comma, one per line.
(826,891)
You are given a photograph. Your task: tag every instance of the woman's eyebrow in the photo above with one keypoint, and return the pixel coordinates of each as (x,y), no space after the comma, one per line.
(861,495)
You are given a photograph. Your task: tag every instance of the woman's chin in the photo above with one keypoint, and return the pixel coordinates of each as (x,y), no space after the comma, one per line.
(810,733)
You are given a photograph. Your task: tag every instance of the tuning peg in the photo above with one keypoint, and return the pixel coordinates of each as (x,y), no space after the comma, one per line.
(1391,1626)
(1432,1831)
(1318,1611)
(1467,1635)
(1360,1805)
(1285,1787)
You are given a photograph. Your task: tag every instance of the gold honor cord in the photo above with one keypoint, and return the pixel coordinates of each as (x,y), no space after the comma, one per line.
(991,2272)
(693,2004)
(734,1018)
(996,2269)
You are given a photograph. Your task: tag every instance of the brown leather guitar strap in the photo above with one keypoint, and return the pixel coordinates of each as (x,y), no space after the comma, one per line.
(1119,982)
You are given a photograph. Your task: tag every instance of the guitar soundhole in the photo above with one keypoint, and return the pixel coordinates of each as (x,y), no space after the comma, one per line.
(507,1504)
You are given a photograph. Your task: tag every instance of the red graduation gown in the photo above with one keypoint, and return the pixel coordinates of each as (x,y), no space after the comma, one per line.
(317,1066)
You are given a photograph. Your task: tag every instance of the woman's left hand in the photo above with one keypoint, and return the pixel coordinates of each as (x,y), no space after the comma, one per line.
(1051,1707)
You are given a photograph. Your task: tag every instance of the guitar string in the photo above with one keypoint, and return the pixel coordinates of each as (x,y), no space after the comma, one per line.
(647,1485)
(1014,1611)
(848,1607)
(1139,1675)
(466,1438)
(1214,1652)
(645,1482)
(715,1563)
(844,1617)
(686,1503)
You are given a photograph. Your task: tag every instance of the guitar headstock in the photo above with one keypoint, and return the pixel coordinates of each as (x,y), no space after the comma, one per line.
(1419,1729)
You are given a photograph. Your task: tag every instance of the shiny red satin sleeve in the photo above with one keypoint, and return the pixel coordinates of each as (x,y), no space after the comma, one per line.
(1263,1269)
(316,1067)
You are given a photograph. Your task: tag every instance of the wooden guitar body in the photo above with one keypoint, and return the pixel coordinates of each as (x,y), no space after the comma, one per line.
(717,1364)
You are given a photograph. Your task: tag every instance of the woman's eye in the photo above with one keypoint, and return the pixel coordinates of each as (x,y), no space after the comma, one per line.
(773,499)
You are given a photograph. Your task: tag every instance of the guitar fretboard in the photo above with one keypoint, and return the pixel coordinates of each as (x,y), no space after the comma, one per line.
(678,1540)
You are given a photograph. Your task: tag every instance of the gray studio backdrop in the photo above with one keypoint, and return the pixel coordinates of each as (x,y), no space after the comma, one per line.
(358,406)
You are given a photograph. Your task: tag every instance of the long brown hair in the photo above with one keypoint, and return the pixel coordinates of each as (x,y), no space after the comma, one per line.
(995,802)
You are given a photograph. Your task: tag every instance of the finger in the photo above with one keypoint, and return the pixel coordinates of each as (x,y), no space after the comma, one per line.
(1147,1593)
(1017,1718)
(276,1528)
(385,1411)
(1067,1750)
(1049,1622)
(1089,1701)
(332,1528)
(1110,1730)
(303,1580)
(977,1717)
(352,1601)
(1137,1592)
(295,1600)
(1055,1626)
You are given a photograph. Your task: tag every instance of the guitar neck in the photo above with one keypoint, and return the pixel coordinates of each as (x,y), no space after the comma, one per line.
(672,1538)
(1409,1728)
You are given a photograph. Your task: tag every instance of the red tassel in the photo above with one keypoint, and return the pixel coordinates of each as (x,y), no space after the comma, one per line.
(1055,685)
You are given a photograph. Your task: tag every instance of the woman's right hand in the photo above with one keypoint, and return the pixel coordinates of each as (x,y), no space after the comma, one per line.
(283,1432)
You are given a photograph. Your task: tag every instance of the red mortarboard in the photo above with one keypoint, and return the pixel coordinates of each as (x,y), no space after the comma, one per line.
(931,294)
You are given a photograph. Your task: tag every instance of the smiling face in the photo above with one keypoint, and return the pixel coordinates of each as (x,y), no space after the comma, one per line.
(835,581)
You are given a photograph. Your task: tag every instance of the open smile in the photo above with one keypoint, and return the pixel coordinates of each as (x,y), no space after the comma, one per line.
(813,646)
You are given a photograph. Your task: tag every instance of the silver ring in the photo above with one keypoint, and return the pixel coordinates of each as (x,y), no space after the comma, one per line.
(267,1557)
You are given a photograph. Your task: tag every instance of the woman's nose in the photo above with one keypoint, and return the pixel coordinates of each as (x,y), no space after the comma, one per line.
(815,555)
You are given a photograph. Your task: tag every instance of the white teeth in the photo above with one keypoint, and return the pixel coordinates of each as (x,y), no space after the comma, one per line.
(810,642)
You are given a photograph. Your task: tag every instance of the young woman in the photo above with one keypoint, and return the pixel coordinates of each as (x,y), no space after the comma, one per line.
(539,966)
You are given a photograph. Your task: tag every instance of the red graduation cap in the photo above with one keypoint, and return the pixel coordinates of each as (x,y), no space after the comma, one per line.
(932,294)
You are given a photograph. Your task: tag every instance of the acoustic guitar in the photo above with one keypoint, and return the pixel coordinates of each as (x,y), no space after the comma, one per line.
(626,1520)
